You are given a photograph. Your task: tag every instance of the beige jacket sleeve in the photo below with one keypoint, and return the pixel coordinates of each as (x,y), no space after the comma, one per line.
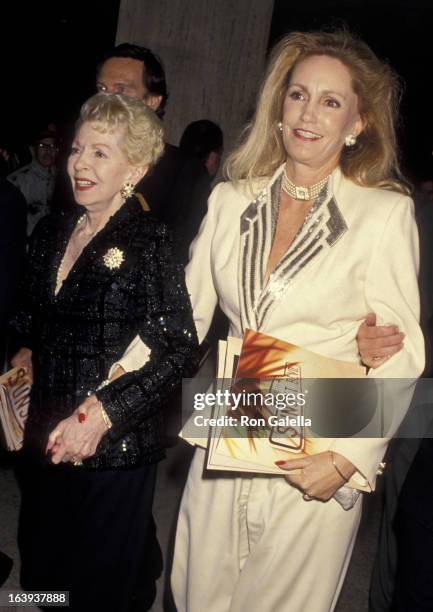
(391,291)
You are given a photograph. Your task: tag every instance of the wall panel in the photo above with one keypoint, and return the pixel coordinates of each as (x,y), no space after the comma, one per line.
(213,52)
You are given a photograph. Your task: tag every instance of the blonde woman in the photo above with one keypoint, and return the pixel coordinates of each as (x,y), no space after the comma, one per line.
(314,230)
(95,281)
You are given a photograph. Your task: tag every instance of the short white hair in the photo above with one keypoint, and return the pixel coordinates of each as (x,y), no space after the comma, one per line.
(144,143)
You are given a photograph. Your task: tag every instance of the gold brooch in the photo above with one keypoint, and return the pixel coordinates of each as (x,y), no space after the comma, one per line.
(114,258)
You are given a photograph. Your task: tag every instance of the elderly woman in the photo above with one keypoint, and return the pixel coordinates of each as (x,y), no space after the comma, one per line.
(96,280)
(328,235)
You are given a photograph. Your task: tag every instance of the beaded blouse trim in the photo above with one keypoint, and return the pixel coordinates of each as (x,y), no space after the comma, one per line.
(321,229)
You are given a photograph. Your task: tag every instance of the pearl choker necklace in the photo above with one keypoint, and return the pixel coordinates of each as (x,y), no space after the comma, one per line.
(302,193)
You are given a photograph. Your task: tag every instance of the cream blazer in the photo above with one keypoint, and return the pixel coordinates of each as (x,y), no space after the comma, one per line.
(356,252)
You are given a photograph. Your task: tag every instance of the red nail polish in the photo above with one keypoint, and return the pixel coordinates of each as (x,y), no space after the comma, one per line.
(81,417)
(279,463)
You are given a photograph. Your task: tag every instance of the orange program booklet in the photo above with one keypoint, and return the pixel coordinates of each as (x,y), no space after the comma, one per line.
(285,402)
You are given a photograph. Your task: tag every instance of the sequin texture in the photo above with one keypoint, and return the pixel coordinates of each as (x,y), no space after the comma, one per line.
(79,333)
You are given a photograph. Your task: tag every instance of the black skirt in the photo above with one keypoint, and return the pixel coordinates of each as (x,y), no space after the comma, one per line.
(90,533)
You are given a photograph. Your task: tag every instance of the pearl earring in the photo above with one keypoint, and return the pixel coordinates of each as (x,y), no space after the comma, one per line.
(280,126)
(350,140)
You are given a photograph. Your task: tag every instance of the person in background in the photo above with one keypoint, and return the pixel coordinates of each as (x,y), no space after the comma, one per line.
(8,162)
(36,180)
(401,570)
(12,252)
(204,139)
(177,188)
(96,278)
(413,531)
(402,578)
(425,192)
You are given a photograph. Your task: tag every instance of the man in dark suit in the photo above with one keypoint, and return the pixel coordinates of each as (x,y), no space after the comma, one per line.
(400,577)
(413,523)
(12,251)
(178,186)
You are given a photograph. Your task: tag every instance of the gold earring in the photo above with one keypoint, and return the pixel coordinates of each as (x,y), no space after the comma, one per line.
(350,140)
(127,190)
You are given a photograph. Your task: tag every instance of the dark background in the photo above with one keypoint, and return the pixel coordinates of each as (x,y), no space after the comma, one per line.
(400,31)
(49,51)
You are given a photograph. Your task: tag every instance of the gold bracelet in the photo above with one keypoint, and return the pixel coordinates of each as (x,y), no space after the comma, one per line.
(337,468)
(105,416)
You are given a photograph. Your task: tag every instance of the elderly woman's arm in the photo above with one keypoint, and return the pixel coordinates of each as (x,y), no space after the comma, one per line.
(165,325)
(377,343)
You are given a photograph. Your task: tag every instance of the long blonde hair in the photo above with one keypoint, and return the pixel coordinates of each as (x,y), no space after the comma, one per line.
(373,161)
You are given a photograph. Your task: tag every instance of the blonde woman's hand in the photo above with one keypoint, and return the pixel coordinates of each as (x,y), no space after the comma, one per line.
(318,477)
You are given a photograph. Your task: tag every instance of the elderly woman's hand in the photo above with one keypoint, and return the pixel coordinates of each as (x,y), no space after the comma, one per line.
(23,359)
(376,344)
(319,478)
(77,438)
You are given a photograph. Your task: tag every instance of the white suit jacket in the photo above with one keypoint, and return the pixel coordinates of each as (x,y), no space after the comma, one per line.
(356,252)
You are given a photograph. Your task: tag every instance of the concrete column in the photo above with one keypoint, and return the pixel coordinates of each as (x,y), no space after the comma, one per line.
(213,52)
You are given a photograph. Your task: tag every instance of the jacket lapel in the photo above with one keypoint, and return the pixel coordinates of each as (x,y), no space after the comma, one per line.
(322,228)
(106,254)
(256,231)
(64,227)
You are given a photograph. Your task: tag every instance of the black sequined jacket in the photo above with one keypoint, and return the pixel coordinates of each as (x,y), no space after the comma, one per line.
(124,283)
